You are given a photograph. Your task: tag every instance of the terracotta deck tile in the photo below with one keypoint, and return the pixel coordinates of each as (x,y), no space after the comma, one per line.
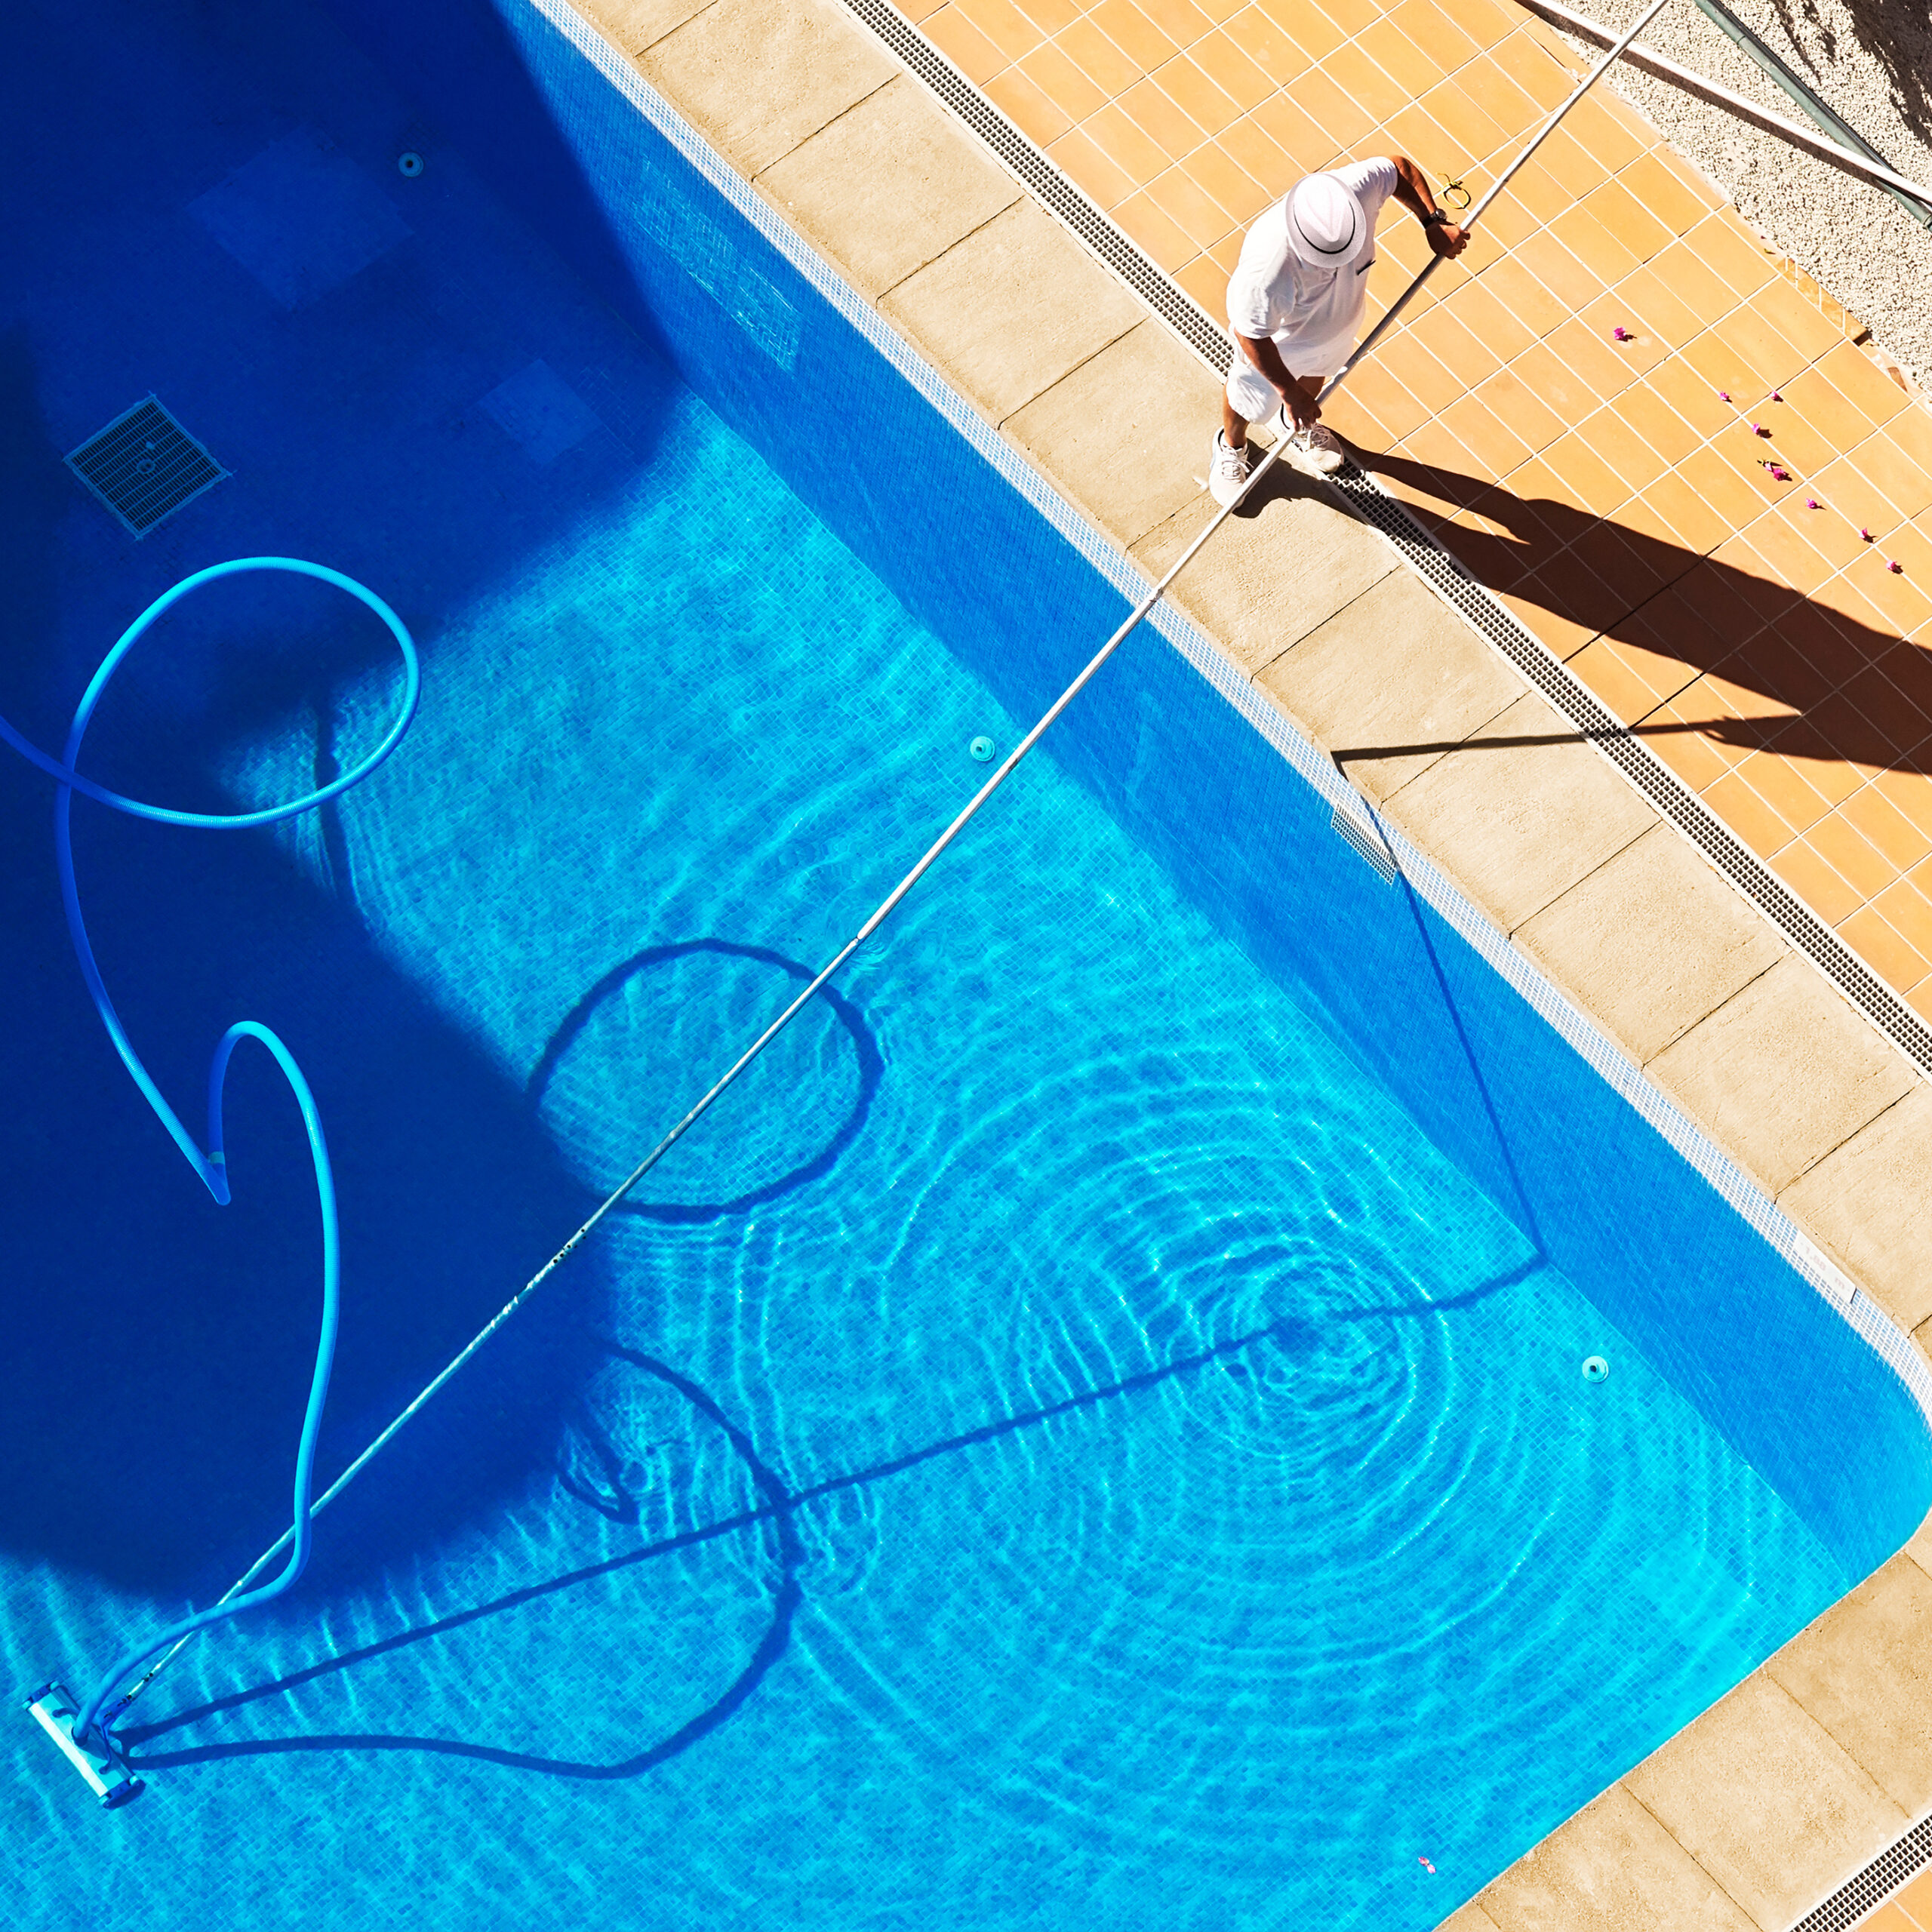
(1027,107)
(1879,822)
(1693,398)
(1442,331)
(1434,386)
(1643,406)
(1558,633)
(1721,242)
(1884,947)
(1632,681)
(1443,451)
(1812,877)
(1521,411)
(1781,671)
(1784,784)
(1475,136)
(1351,16)
(1523,296)
(1003,24)
(1560,271)
(1833,537)
(1600,365)
(1862,383)
(916,11)
(1695,283)
(1302,143)
(1050,16)
(1493,449)
(1541,191)
(1643,346)
(1614,442)
(1655,306)
(1904,605)
(1636,226)
(1233,69)
(1155,231)
(1499,96)
(1268,43)
(1833,748)
(1191,208)
(1397,412)
(1355,69)
(1308,27)
(1895,727)
(1773,536)
(1683,516)
(1483,21)
(1182,21)
(1533,69)
(1057,76)
(1182,82)
(1590,486)
(1162,118)
(1903,480)
(1220,11)
(1103,181)
(1637,570)
(1204,279)
(1591,242)
(1107,65)
(1336,112)
(963,44)
(1233,187)
(1696,758)
(1432,25)
(1760,345)
(1611,131)
(1500,332)
(1747,815)
(1569,589)
(1844,597)
(1133,33)
(1736,717)
(1669,189)
(1410,64)
(1224,254)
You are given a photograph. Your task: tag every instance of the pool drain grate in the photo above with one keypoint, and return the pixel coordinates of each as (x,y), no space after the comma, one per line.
(1865,1891)
(144,467)
(1362,838)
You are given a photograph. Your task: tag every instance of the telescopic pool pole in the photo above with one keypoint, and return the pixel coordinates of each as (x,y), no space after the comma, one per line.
(887,907)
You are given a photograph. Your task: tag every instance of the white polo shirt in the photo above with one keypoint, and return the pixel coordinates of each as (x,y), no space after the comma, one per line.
(1275,292)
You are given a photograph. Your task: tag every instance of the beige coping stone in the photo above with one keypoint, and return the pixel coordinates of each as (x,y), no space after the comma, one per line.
(1470,1917)
(1867,1204)
(1521,811)
(755,77)
(1273,572)
(1391,682)
(887,187)
(1783,1072)
(633,25)
(1119,436)
(1864,1670)
(1611,1867)
(959,310)
(1650,942)
(1767,1801)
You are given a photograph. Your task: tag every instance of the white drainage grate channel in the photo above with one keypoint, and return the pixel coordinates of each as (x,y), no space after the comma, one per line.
(1356,831)
(144,467)
(1546,674)
(1864,1892)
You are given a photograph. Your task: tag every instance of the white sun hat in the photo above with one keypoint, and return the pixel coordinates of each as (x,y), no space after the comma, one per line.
(1325,226)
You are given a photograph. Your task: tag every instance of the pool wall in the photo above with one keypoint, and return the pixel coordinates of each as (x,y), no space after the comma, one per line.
(1667,1237)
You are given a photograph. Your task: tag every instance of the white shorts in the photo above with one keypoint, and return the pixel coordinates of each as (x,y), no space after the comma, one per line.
(1252,396)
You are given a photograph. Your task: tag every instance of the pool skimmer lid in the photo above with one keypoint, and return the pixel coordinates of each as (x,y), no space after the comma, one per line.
(1595,1368)
(144,467)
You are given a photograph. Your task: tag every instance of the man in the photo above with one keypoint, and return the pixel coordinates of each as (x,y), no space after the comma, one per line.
(1296,295)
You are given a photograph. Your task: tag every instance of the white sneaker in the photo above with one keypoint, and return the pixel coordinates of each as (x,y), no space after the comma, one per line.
(1227,471)
(1316,451)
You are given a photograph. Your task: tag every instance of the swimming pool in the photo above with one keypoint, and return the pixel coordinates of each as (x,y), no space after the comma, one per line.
(1095,1427)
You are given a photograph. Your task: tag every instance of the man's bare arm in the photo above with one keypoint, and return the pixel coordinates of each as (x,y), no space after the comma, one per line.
(1412,190)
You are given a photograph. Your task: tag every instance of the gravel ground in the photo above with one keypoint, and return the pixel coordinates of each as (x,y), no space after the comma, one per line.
(1871,61)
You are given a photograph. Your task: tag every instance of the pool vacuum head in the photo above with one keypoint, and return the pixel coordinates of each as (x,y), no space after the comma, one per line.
(54,1708)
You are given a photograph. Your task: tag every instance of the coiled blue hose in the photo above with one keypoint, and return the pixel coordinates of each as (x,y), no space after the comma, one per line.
(212,1167)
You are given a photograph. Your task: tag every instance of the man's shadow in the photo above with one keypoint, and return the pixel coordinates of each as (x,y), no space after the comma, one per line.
(1846,691)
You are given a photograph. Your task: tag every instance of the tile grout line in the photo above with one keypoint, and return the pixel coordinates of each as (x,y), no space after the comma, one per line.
(1548,675)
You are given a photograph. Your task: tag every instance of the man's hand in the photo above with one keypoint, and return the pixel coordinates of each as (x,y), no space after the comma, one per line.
(1303,411)
(1446,239)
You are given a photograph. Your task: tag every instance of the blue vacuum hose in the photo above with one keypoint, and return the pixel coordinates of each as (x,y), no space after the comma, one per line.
(212,1167)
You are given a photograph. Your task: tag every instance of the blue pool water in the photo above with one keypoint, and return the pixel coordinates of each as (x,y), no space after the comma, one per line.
(1089,1431)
